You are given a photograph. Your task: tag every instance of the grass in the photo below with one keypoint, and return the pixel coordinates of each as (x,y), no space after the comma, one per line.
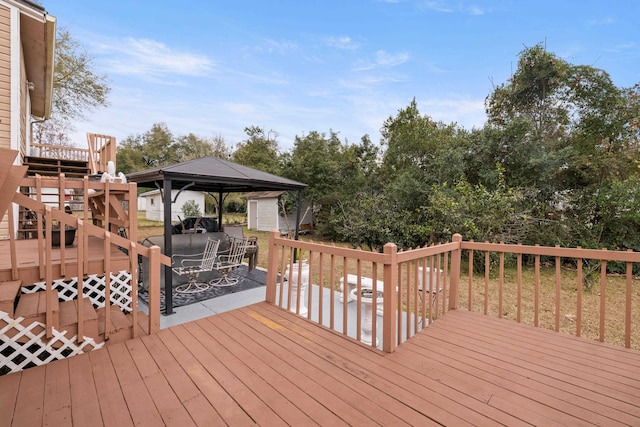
(615,292)
(566,310)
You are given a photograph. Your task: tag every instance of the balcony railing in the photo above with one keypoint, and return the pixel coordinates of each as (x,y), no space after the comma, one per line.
(542,286)
(59,152)
(101,149)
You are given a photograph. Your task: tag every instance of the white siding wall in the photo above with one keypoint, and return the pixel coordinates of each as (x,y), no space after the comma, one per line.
(155,207)
(267,214)
(142,203)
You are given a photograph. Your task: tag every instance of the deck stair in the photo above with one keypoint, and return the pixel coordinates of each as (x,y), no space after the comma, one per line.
(46,291)
(9,291)
(54,167)
(69,318)
(119,328)
(33,308)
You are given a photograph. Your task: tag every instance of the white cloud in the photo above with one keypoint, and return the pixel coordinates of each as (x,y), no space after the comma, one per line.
(147,57)
(443,7)
(476,10)
(601,22)
(275,46)
(383,59)
(386,59)
(436,6)
(343,43)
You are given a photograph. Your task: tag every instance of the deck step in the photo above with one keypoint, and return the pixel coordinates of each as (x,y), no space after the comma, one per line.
(33,307)
(8,294)
(69,318)
(119,328)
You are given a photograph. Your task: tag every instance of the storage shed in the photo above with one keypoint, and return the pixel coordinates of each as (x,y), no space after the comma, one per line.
(263,213)
(154,207)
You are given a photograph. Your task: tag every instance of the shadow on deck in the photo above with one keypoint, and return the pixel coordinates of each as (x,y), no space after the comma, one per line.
(261,364)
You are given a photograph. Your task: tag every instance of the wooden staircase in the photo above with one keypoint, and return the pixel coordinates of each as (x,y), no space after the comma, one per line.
(54,167)
(31,307)
(41,316)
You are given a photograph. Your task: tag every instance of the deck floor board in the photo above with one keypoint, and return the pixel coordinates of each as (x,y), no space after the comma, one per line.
(355,362)
(198,407)
(266,366)
(605,384)
(112,402)
(502,380)
(57,395)
(356,406)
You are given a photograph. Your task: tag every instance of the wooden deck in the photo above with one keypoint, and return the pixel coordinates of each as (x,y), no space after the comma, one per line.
(262,365)
(28,261)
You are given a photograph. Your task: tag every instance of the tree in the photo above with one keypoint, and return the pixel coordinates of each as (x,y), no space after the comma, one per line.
(191,147)
(77,90)
(153,148)
(535,91)
(574,112)
(416,142)
(567,133)
(258,151)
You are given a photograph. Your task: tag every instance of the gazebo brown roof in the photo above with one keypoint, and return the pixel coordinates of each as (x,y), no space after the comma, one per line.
(209,174)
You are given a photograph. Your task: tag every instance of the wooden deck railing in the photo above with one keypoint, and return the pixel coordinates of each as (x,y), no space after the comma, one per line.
(111,205)
(101,149)
(542,286)
(49,216)
(404,303)
(61,152)
(554,287)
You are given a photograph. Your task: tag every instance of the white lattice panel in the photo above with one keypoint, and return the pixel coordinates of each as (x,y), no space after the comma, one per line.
(35,350)
(93,288)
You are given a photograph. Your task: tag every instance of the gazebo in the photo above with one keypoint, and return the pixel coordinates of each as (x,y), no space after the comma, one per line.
(209,174)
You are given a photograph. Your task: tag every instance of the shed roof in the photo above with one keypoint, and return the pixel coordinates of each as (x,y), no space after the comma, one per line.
(213,174)
(263,195)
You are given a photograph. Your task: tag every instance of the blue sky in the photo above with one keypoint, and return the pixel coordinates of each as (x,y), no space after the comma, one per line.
(213,68)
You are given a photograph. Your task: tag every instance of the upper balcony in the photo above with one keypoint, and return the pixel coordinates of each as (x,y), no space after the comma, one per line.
(74,162)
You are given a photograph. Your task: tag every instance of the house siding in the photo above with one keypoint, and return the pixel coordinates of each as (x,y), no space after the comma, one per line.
(25,113)
(5,94)
(5,77)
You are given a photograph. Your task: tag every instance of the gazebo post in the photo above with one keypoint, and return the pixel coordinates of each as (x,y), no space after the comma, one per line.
(298,210)
(220,204)
(297,233)
(168,248)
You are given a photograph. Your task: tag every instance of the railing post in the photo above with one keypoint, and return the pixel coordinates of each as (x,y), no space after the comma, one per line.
(48,276)
(272,268)
(390,298)
(154,289)
(134,269)
(12,243)
(454,278)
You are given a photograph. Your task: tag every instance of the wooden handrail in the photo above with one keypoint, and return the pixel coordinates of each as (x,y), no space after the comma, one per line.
(406,305)
(85,193)
(62,152)
(332,265)
(84,231)
(102,150)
